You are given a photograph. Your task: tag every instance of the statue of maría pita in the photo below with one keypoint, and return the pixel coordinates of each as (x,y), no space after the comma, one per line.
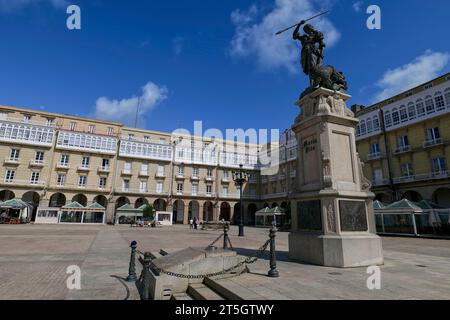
(312,56)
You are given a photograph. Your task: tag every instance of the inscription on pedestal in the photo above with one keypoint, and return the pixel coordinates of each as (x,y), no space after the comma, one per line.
(353,216)
(309,215)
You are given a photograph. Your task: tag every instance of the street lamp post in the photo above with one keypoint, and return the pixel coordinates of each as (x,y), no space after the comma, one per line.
(240,178)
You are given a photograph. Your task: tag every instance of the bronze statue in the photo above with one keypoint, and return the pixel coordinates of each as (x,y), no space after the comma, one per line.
(312,56)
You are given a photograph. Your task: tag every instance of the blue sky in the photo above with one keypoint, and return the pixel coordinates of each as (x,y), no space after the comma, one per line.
(215,61)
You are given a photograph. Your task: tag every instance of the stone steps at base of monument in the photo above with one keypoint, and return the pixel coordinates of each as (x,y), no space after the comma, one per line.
(200,291)
(182,296)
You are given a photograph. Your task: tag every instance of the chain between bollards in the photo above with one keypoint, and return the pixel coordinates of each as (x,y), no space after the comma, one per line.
(132,269)
(273,272)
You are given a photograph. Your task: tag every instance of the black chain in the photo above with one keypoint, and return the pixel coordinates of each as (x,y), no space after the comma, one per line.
(248,260)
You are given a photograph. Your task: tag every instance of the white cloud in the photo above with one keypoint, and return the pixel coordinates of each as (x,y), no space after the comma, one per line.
(12,5)
(357,6)
(420,70)
(177,44)
(125,110)
(255,33)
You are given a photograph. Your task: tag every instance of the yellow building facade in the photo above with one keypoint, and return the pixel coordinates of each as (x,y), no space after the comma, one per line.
(404,143)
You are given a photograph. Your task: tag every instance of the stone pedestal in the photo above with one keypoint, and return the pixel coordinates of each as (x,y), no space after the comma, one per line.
(333,222)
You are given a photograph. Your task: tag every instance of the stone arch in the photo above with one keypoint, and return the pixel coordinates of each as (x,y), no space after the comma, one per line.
(412,196)
(120,202)
(194,211)
(160,205)
(208,211)
(81,199)
(251,210)
(237,213)
(57,200)
(178,211)
(33,199)
(6,195)
(441,197)
(140,202)
(101,200)
(383,197)
(225,211)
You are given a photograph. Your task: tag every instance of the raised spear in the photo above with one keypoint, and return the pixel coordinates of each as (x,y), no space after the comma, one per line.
(304,21)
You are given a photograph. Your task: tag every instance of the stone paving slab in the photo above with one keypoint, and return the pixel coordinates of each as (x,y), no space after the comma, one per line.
(34,259)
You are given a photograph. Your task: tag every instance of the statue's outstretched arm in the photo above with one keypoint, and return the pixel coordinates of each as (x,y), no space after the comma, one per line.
(296,34)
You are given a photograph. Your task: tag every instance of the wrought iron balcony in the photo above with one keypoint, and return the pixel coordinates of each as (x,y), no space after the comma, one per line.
(403,149)
(433,143)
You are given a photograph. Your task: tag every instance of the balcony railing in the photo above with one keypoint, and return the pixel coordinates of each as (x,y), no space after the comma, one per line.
(84,167)
(433,142)
(145,150)
(126,172)
(14,161)
(380,182)
(104,169)
(374,156)
(209,178)
(403,149)
(144,173)
(404,179)
(160,175)
(37,163)
(25,182)
(62,165)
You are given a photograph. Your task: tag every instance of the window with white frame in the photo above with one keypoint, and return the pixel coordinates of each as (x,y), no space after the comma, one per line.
(376,123)
(194,189)
(127,167)
(403,142)
(395,116)
(143,186)
(225,174)
(27,118)
(433,134)
(39,157)
(50,122)
(35,177)
(126,185)
(407,170)
(160,170)
(82,180)
(447,97)
(411,111)
(209,173)
(159,187)
(439,165)
(61,179)
(144,168)
(146,139)
(388,119)
(181,171)
(102,182)
(403,114)
(110,131)
(369,126)
(377,175)
(195,172)
(375,149)
(225,191)
(14,155)
(73,126)
(64,160)
(363,127)
(85,162)
(429,105)
(439,101)
(208,189)
(238,191)
(10,175)
(179,188)
(86,141)
(420,108)
(105,164)
(91,128)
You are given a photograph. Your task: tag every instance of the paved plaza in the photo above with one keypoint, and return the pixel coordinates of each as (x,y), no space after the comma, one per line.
(34,259)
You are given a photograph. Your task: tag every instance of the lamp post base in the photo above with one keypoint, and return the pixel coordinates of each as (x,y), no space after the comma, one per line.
(241,230)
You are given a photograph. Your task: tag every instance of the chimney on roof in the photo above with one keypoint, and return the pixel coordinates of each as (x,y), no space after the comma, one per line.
(356,108)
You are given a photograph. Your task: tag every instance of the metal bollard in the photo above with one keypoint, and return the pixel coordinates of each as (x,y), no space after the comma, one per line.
(146,276)
(132,269)
(273,272)
(225,237)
